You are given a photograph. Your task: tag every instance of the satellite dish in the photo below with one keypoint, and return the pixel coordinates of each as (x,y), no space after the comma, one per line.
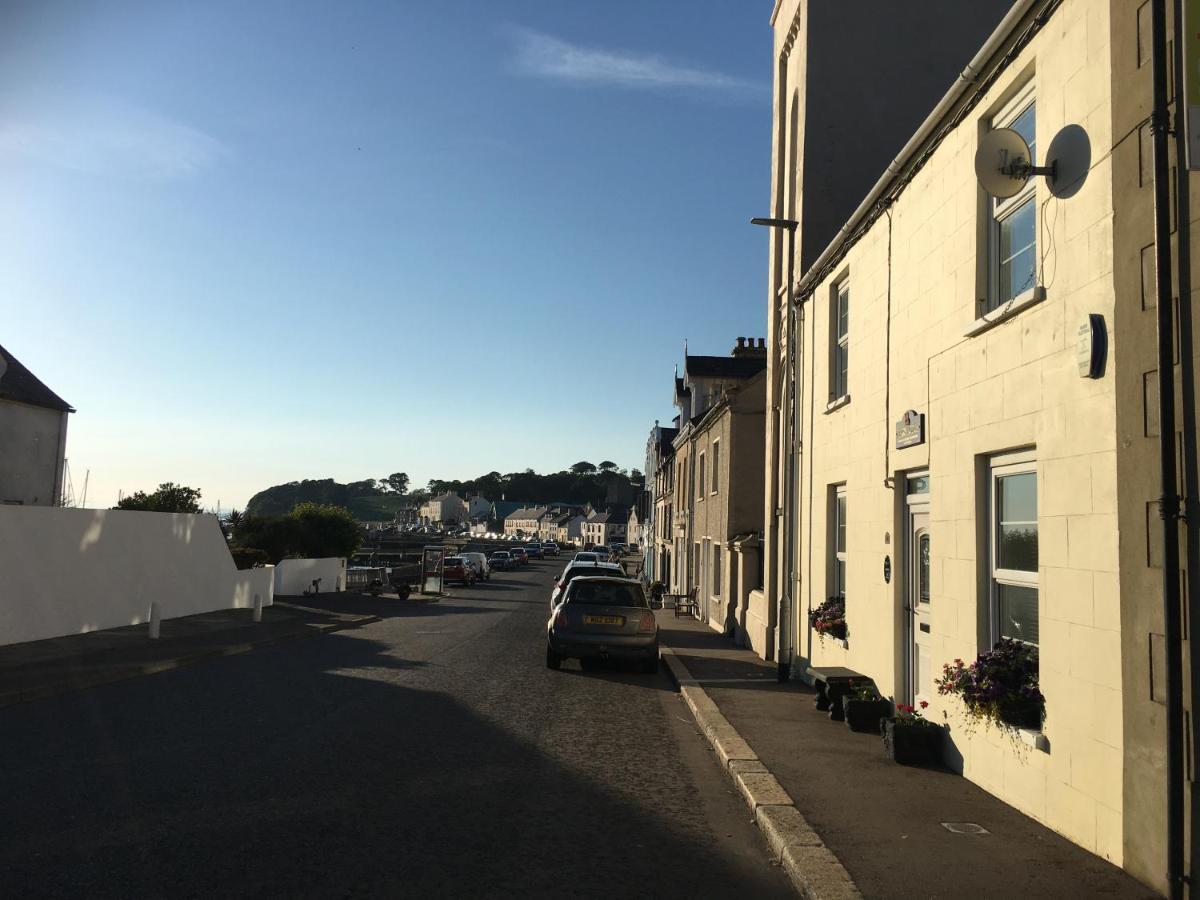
(1071,155)
(1002,163)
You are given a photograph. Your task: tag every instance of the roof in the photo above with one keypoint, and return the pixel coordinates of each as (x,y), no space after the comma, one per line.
(505,508)
(724,366)
(527,512)
(19,385)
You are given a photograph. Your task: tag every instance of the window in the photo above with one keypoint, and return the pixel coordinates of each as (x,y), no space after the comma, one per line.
(700,479)
(839,336)
(716,570)
(1012,494)
(837,559)
(1013,227)
(696,565)
(716,458)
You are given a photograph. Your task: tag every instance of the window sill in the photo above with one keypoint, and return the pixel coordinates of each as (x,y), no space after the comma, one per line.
(1031,738)
(837,404)
(1005,312)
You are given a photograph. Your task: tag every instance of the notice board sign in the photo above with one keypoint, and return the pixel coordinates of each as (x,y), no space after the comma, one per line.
(1191,79)
(432,559)
(910,430)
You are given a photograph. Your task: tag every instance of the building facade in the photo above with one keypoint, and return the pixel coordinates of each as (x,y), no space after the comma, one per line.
(33,437)
(444,509)
(958,457)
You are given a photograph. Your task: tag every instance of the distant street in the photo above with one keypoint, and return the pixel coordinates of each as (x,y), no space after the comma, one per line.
(429,754)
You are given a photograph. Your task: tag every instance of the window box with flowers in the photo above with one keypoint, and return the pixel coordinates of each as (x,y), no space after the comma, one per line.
(829,619)
(910,739)
(1000,687)
(863,708)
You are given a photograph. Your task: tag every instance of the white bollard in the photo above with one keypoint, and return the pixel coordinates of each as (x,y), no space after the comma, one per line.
(155,616)
(257,607)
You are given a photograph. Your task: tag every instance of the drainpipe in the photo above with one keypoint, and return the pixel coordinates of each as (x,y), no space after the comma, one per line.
(1191,489)
(1169,500)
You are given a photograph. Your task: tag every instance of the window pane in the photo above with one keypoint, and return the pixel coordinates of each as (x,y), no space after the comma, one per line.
(1024,126)
(1018,243)
(923,567)
(843,313)
(842,363)
(1017,498)
(841,523)
(1018,610)
(1018,548)
(840,575)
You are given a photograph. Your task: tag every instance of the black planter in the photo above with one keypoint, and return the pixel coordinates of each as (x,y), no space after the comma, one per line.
(864,715)
(912,745)
(1021,713)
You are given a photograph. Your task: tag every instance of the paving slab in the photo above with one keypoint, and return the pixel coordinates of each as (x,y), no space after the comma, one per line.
(878,824)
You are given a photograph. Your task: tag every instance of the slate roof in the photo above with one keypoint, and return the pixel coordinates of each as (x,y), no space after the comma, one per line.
(724,366)
(20,385)
(505,508)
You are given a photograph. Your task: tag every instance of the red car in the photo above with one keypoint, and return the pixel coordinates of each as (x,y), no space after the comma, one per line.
(520,555)
(456,569)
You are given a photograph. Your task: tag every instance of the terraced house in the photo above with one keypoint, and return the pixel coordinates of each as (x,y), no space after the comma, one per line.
(963,441)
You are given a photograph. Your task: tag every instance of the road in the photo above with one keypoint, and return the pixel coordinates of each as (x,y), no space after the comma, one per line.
(431,753)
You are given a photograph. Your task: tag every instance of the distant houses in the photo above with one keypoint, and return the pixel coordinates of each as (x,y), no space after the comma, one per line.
(33,423)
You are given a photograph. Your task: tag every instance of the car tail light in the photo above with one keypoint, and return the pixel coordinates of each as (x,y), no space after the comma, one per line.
(647,623)
(562,585)
(560,619)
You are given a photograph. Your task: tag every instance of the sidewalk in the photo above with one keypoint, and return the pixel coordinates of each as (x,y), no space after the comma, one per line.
(74,662)
(882,821)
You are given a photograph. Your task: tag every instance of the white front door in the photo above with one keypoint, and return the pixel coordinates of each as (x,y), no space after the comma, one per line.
(921,624)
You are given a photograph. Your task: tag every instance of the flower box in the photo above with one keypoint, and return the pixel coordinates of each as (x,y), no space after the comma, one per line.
(864,715)
(1021,713)
(912,745)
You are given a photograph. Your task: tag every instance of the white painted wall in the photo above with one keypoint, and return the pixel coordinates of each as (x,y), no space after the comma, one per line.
(294,576)
(66,571)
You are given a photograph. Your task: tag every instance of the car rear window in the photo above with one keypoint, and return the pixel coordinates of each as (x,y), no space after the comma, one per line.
(500,554)
(606,593)
(454,561)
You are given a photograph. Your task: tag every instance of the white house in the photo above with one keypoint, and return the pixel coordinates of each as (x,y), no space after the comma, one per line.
(33,437)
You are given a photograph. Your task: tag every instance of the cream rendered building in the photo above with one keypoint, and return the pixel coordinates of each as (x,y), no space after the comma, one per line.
(962,469)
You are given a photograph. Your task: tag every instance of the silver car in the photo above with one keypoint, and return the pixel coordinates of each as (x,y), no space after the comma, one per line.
(575,569)
(479,562)
(603,618)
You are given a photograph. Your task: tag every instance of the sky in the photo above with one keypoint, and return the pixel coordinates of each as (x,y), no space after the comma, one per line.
(260,242)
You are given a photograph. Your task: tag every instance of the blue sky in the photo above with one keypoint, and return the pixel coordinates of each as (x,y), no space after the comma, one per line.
(253,243)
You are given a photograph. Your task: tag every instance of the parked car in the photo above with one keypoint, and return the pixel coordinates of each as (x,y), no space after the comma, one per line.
(616,547)
(501,560)
(575,569)
(603,618)
(535,550)
(457,570)
(479,561)
(551,549)
(519,555)
(586,556)
(601,551)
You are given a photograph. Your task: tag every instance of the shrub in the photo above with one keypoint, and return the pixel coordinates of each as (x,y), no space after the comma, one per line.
(999,682)
(830,619)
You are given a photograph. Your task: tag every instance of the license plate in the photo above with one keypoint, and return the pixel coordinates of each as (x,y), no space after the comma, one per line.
(603,620)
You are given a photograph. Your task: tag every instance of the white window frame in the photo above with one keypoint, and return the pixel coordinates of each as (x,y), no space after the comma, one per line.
(1001,208)
(839,342)
(715,485)
(715,565)
(1016,463)
(837,587)
(700,477)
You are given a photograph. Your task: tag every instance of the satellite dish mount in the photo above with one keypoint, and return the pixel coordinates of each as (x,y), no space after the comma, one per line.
(1002,163)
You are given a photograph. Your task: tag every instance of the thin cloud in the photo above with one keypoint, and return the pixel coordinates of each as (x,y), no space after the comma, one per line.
(109,138)
(543,55)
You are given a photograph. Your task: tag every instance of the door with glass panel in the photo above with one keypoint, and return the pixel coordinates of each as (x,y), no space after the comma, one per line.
(918,599)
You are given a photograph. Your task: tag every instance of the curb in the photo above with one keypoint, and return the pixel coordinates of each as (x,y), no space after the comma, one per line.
(70,686)
(815,871)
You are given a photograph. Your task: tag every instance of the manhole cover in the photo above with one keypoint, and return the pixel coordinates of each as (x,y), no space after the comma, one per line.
(964,828)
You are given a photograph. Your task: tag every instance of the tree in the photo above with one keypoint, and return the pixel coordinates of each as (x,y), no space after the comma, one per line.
(324,531)
(397,482)
(607,466)
(636,475)
(360,488)
(583,467)
(169,497)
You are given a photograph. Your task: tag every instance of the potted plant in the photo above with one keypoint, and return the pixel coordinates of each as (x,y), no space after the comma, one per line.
(1001,686)
(862,707)
(657,589)
(829,619)
(910,739)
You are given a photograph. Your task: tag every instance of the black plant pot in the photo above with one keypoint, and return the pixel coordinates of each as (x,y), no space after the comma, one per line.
(912,745)
(864,715)
(1021,713)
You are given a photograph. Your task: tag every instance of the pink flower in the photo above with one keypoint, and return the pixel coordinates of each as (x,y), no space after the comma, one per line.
(924,704)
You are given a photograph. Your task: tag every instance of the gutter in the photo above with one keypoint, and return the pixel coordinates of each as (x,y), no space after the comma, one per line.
(966,79)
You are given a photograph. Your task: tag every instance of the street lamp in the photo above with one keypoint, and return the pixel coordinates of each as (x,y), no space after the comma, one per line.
(784,663)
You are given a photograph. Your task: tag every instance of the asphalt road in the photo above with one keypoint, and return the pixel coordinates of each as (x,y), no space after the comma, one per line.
(429,754)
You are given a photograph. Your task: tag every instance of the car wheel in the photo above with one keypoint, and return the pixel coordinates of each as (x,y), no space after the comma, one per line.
(553,660)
